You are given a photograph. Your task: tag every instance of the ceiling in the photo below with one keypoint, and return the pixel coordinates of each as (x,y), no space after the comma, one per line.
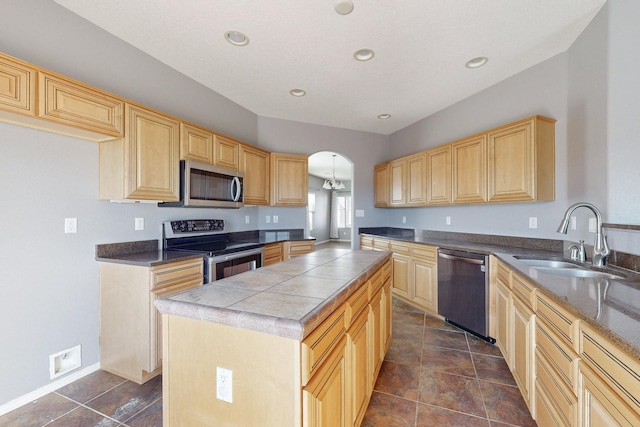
(421,47)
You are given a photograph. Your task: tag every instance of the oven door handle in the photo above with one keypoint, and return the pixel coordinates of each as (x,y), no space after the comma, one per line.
(236,189)
(223,258)
(457,258)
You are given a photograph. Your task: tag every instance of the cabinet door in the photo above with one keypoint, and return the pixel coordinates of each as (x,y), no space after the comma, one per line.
(376,335)
(272,253)
(73,104)
(523,356)
(289,180)
(254,164)
(17,87)
(425,283)
(469,170)
(439,176)
(294,249)
(401,264)
(226,152)
(503,320)
(325,396)
(387,316)
(151,156)
(398,182)
(196,144)
(381,185)
(358,356)
(417,179)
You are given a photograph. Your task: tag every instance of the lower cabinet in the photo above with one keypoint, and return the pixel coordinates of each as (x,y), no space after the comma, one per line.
(294,248)
(523,355)
(130,325)
(272,253)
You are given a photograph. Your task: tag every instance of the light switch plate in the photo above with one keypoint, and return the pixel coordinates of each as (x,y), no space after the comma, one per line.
(71,225)
(359,212)
(533,222)
(139,224)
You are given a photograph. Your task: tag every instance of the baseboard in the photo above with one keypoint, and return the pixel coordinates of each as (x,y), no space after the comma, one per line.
(43,391)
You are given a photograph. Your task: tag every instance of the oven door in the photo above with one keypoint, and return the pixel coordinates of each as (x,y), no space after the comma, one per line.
(219,267)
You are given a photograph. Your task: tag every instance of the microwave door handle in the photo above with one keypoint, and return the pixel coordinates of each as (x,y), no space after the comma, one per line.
(235,189)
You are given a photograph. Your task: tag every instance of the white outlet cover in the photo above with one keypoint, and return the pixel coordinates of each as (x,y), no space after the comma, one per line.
(447,220)
(404,219)
(71,225)
(275,219)
(224,384)
(533,222)
(592,225)
(246,219)
(139,224)
(268,219)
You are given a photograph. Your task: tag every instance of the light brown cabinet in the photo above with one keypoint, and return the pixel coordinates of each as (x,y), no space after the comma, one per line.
(254,164)
(521,164)
(295,248)
(424,277)
(417,179)
(381,185)
(226,152)
(401,270)
(289,179)
(144,165)
(523,350)
(398,182)
(130,325)
(469,170)
(17,88)
(196,143)
(273,253)
(439,176)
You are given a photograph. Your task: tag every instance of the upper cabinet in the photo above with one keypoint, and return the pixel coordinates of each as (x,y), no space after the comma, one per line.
(196,143)
(381,185)
(145,164)
(469,170)
(512,163)
(254,164)
(521,161)
(289,179)
(226,152)
(17,87)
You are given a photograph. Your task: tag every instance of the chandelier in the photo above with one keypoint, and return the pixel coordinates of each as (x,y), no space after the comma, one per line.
(332,184)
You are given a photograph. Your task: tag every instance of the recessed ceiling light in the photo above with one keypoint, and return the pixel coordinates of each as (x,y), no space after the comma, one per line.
(236,38)
(477,62)
(343,7)
(364,54)
(297,92)
(384,116)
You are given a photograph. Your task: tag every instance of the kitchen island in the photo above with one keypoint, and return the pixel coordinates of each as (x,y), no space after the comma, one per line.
(301,341)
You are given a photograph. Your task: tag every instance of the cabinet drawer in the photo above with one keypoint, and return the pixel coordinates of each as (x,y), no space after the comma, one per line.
(387,271)
(559,355)
(523,289)
(375,282)
(617,369)
(273,250)
(380,244)
(357,302)
(427,252)
(556,394)
(400,248)
(175,273)
(300,248)
(166,291)
(504,274)
(557,318)
(317,346)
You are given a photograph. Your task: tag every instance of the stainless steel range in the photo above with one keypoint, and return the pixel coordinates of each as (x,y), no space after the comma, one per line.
(222,258)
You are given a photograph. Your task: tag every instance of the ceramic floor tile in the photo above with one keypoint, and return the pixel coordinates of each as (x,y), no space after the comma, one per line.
(450,361)
(448,339)
(453,392)
(492,368)
(408,351)
(505,404)
(477,345)
(399,380)
(128,399)
(90,386)
(435,323)
(389,411)
(148,417)
(433,416)
(38,412)
(83,417)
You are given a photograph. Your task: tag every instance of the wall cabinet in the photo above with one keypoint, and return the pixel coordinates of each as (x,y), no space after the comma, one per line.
(226,152)
(417,179)
(130,325)
(17,88)
(289,179)
(398,182)
(254,164)
(439,176)
(381,185)
(469,170)
(144,165)
(196,143)
(521,161)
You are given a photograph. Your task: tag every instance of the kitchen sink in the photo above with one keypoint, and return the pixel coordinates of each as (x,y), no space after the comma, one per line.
(574,271)
(547,263)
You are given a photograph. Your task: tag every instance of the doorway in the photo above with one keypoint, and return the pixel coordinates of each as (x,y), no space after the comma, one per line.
(330,209)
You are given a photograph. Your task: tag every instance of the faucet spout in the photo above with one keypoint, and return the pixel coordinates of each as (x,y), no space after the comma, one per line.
(600,248)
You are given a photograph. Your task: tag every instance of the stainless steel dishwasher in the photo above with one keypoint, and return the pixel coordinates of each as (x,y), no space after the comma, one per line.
(463,291)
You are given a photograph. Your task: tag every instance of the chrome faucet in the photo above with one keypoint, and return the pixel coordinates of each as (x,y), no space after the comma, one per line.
(600,248)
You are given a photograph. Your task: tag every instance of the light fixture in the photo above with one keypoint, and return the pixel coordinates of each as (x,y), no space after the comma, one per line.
(343,7)
(236,38)
(297,92)
(332,184)
(364,54)
(384,116)
(476,62)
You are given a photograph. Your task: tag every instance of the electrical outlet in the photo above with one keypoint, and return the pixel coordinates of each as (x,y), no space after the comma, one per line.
(592,225)
(224,384)
(359,212)
(246,219)
(404,219)
(573,223)
(268,219)
(447,220)
(139,224)
(275,219)
(71,225)
(533,222)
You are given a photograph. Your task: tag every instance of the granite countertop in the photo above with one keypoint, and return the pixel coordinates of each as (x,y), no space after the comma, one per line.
(611,306)
(288,299)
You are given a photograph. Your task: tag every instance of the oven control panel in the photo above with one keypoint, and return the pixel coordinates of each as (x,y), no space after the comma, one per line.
(196,225)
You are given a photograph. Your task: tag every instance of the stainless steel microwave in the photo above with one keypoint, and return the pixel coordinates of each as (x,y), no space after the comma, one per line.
(208,186)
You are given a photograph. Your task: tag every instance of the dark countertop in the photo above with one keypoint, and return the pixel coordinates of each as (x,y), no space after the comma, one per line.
(611,306)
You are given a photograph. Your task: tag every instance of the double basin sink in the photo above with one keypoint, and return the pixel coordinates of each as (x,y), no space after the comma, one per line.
(563,268)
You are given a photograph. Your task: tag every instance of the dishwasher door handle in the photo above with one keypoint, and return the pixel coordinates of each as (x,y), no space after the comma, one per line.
(462,259)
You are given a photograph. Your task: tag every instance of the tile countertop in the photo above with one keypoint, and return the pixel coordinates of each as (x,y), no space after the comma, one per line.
(611,306)
(288,299)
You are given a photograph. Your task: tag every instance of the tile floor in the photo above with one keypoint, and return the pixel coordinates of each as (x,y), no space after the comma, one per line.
(434,375)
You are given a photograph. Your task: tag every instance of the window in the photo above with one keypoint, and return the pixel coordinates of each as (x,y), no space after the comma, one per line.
(311,210)
(344,211)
